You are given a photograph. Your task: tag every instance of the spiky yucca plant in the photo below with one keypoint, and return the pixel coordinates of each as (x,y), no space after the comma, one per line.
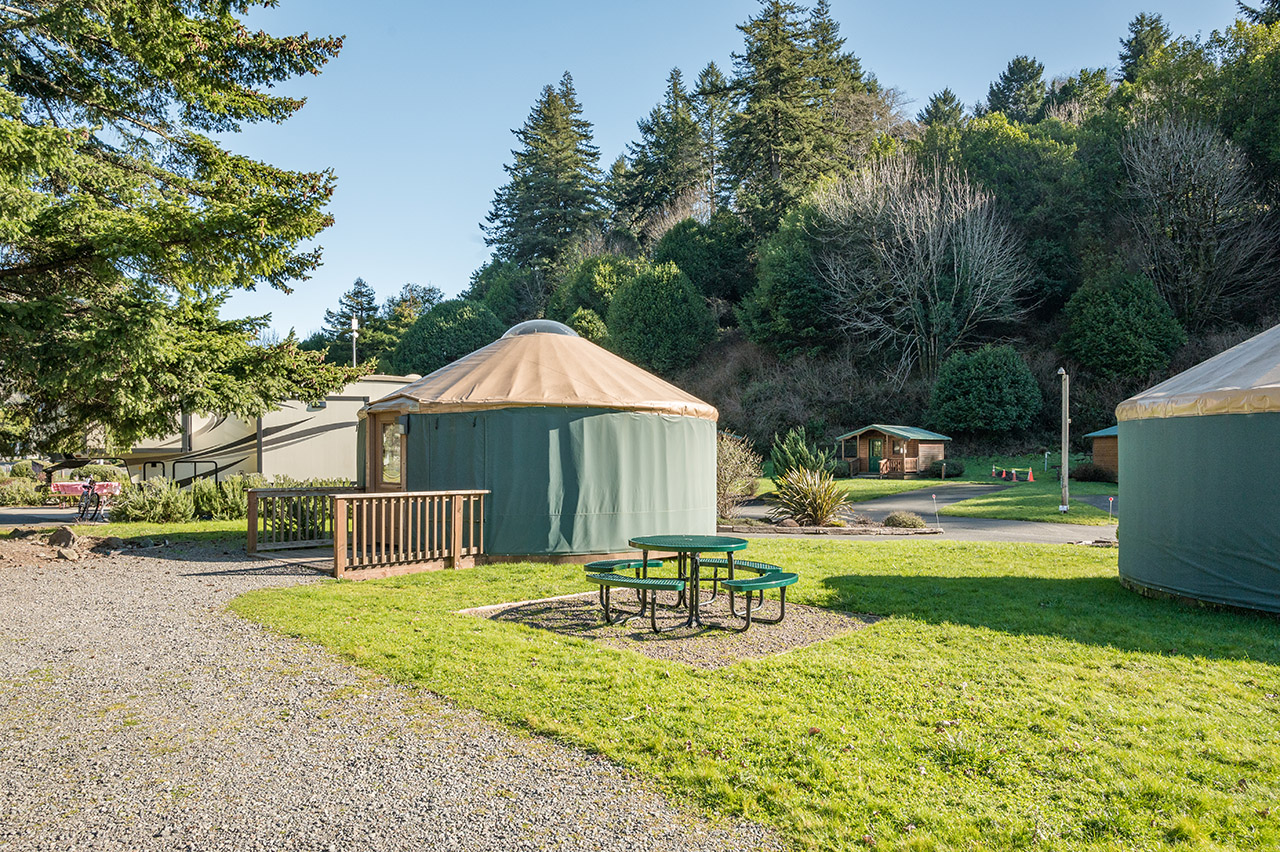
(808,497)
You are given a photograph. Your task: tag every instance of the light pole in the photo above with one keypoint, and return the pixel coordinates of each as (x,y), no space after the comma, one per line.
(355,332)
(1066,431)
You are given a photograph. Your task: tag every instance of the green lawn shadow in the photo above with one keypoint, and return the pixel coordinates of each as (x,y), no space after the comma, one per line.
(1089,610)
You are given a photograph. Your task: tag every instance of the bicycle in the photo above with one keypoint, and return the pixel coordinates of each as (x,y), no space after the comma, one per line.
(90,503)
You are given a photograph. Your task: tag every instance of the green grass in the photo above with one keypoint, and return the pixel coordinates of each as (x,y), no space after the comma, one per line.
(1036,501)
(189,531)
(1016,698)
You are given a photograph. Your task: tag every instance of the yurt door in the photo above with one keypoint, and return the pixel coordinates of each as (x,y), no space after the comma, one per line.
(388,455)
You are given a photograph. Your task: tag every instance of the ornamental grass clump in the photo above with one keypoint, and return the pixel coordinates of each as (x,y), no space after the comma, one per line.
(154,501)
(810,498)
(904,520)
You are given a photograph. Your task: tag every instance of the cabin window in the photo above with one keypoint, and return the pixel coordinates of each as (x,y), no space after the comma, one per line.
(391,453)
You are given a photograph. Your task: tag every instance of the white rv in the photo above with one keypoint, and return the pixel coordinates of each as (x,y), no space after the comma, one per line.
(296,440)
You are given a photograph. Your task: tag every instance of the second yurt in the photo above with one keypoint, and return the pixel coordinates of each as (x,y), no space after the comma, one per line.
(580,449)
(1200,480)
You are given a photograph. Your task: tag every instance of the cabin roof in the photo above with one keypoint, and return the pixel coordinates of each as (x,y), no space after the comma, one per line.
(1109,432)
(907,433)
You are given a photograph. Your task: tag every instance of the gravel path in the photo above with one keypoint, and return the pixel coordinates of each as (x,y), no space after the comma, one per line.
(138,713)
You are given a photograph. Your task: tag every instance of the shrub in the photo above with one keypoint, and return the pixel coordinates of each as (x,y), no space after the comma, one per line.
(985,392)
(715,256)
(808,497)
(154,501)
(904,520)
(444,334)
(19,492)
(737,468)
(227,500)
(659,320)
(793,451)
(954,468)
(103,473)
(1090,472)
(591,285)
(842,470)
(1117,325)
(588,325)
(22,470)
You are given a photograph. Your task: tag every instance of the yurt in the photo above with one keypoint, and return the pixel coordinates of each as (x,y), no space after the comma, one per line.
(580,449)
(1200,480)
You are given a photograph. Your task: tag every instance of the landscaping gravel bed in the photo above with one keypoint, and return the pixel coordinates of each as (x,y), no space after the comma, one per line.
(709,647)
(138,713)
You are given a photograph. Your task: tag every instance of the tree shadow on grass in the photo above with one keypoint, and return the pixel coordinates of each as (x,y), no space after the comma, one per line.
(1090,610)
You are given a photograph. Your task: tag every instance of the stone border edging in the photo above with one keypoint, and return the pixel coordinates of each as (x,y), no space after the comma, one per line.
(770,529)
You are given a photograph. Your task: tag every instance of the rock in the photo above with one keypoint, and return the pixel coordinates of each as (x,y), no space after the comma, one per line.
(24,532)
(143,542)
(68,554)
(788,522)
(63,537)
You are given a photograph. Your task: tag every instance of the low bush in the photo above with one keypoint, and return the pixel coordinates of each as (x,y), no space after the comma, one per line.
(1090,472)
(22,470)
(954,468)
(808,497)
(904,520)
(155,501)
(225,500)
(842,470)
(19,492)
(738,466)
(102,473)
(794,452)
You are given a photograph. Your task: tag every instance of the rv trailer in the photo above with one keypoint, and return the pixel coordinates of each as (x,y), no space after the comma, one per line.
(295,440)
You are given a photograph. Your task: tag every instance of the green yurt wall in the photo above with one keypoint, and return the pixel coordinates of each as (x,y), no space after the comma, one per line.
(1200,480)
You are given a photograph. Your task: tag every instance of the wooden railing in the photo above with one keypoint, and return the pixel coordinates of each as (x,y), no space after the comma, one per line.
(382,534)
(285,518)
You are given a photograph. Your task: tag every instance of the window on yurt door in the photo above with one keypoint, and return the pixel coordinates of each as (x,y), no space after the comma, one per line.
(390,455)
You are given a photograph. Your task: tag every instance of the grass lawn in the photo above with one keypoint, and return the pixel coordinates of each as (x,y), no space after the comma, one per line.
(189,531)
(1036,501)
(1015,698)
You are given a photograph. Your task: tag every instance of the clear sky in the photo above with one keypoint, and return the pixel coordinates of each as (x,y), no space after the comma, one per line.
(415,115)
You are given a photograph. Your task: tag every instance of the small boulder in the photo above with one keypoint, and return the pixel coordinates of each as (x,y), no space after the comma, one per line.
(63,537)
(788,522)
(68,554)
(143,542)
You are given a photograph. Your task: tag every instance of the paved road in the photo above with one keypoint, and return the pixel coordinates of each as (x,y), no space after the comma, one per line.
(960,529)
(39,516)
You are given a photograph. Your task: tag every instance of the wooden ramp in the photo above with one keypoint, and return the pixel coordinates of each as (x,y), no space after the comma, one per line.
(316,558)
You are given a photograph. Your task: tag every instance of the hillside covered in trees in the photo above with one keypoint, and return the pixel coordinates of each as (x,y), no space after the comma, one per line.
(782,239)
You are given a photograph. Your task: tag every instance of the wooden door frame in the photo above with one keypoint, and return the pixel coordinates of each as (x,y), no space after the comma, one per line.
(374,459)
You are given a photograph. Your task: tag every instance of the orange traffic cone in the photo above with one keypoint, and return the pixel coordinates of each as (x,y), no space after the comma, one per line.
(1031,477)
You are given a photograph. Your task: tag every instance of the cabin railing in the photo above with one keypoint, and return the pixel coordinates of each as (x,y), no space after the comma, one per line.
(286,518)
(387,533)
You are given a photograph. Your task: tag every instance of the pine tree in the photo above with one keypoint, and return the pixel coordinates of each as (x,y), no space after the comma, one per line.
(779,142)
(712,106)
(360,302)
(1019,91)
(1147,34)
(668,170)
(1266,13)
(943,110)
(837,80)
(552,197)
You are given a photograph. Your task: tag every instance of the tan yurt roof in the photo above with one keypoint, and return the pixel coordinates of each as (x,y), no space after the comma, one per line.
(536,364)
(1243,380)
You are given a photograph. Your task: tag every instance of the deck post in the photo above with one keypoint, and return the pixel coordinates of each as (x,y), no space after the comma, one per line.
(455,533)
(251,542)
(339,536)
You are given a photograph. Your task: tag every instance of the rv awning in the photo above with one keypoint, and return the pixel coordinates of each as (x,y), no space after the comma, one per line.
(1243,380)
(555,370)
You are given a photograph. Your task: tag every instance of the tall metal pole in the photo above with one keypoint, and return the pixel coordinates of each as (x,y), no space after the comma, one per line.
(1066,431)
(355,332)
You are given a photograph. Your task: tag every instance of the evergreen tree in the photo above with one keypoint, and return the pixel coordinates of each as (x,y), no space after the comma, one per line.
(667,179)
(1266,13)
(552,197)
(125,224)
(837,80)
(360,302)
(1019,91)
(943,110)
(1078,96)
(712,106)
(1147,34)
(779,142)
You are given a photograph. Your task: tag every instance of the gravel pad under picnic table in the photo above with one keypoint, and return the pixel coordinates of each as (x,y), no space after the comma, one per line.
(139,713)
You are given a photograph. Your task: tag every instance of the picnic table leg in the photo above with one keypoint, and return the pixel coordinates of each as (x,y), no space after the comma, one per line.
(695,591)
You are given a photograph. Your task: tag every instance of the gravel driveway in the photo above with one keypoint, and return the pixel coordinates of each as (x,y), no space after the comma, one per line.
(138,713)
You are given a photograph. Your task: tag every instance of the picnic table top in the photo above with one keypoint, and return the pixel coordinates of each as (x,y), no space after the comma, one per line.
(689,543)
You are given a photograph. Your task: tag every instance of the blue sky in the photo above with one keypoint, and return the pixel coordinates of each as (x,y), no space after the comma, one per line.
(415,115)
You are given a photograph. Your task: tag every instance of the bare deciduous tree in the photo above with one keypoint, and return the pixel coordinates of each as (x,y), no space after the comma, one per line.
(1203,233)
(918,259)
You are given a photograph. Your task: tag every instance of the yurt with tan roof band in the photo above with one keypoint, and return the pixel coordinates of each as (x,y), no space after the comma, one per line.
(580,449)
(1200,480)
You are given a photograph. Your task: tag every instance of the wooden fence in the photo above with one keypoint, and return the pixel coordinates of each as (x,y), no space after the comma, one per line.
(372,535)
(382,534)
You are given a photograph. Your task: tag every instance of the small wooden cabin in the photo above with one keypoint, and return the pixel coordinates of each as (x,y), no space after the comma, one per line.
(899,452)
(1106,448)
